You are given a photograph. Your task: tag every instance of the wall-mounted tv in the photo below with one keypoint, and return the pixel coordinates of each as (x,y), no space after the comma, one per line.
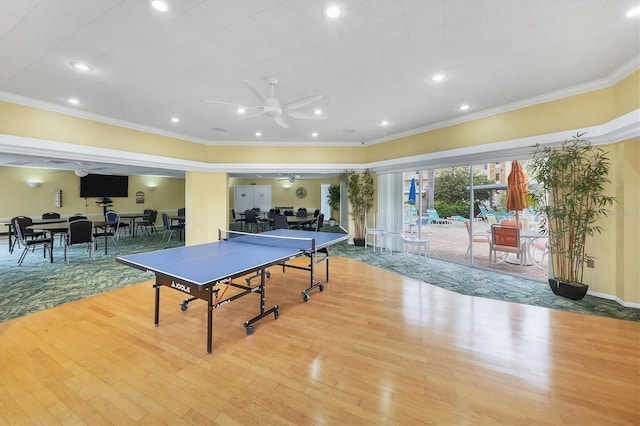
(104,186)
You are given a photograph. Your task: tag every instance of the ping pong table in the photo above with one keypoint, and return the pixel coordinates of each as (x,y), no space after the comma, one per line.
(200,271)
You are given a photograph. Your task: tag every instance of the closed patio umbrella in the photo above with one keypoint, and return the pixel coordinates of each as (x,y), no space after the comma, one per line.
(517,182)
(412,192)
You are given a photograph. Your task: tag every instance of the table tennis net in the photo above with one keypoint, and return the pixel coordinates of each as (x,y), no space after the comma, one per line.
(268,240)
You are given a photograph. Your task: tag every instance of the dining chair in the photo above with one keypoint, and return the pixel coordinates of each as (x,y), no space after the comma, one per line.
(237,219)
(30,241)
(113,216)
(280,222)
(54,215)
(80,232)
(251,218)
(24,222)
(319,222)
(148,222)
(77,216)
(169,228)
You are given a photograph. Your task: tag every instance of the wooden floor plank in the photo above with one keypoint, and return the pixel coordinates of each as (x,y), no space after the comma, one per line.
(373,348)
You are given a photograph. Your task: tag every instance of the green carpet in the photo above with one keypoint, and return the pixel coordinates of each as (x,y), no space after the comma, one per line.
(38,285)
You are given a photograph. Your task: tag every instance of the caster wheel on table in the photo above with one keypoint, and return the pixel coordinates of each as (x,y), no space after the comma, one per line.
(184,306)
(249,330)
(276,314)
(305,296)
(321,287)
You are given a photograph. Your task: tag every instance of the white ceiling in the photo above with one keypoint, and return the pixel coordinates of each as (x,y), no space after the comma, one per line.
(372,63)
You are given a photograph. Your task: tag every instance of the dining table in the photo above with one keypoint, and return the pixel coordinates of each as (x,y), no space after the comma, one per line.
(131,217)
(63,227)
(12,241)
(527,237)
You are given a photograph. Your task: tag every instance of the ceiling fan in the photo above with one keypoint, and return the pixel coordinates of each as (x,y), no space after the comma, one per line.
(273,108)
(290,178)
(82,170)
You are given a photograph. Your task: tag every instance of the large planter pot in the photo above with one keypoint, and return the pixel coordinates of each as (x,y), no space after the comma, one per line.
(359,242)
(573,291)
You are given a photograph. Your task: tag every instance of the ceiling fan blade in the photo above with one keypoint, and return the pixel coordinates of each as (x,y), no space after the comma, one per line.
(282,121)
(256,92)
(301,102)
(251,116)
(296,114)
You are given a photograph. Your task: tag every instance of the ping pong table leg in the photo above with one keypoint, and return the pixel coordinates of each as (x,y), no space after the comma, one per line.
(275,309)
(210,320)
(157,314)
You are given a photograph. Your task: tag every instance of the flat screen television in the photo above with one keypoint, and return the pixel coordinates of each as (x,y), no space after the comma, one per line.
(104,186)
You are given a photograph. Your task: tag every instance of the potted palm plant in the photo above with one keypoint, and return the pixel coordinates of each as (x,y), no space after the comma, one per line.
(571,202)
(333,198)
(360,193)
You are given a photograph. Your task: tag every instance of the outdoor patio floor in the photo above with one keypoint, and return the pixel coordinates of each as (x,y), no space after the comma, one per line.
(450,241)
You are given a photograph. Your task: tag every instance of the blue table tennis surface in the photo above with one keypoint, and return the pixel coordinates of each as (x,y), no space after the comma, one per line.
(202,264)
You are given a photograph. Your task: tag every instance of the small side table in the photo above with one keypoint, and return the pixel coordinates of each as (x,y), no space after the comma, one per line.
(414,245)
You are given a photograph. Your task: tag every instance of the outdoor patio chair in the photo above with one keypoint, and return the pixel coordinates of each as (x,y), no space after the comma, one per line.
(506,239)
(476,237)
(435,217)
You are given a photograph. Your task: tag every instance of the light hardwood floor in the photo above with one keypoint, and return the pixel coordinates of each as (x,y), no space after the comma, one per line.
(375,348)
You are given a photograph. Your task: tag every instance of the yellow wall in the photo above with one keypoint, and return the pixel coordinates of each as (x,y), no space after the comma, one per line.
(617,248)
(622,279)
(207,206)
(26,121)
(18,199)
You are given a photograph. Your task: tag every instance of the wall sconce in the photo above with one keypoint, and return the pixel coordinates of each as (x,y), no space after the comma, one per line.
(33,184)
(151,186)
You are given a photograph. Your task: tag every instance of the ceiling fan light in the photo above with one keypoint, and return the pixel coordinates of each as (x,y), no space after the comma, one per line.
(160,5)
(81,173)
(80,66)
(333,12)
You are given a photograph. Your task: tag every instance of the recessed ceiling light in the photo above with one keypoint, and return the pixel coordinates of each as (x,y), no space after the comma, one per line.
(258,134)
(314,134)
(159,5)
(463,107)
(317,111)
(333,12)
(73,101)
(175,120)
(240,110)
(81,66)
(438,77)
(384,123)
(633,12)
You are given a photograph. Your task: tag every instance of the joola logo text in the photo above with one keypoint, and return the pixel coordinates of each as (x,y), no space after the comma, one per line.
(182,287)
